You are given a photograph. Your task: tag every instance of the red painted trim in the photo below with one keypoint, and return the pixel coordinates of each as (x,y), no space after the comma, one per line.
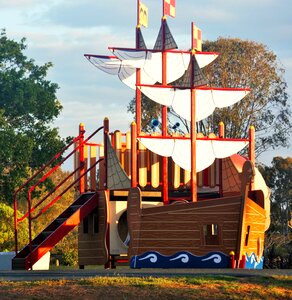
(193,144)
(188,138)
(138,102)
(92,144)
(105,136)
(156,50)
(81,159)
(133,154)
(197,88)
(100,56)
(164,118)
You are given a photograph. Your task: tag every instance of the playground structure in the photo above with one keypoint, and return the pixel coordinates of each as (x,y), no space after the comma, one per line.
(206,206)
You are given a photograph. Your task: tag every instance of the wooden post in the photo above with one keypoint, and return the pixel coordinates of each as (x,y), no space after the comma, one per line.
(252,150)
(133,154)
(106,132)
(128,154)
(93,170)
(221,135)
(81,159)
(101,174)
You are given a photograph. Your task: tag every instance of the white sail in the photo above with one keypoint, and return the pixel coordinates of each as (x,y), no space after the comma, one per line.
(180,150)
(114,66)
(207,99)
(205,58)
(151,61)
(108,64)
(125,63)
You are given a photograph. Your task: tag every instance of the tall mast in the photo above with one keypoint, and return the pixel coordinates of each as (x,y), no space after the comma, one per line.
(164,112)
(138,74)
(193,125)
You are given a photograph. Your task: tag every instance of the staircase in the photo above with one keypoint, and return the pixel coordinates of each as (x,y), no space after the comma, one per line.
(38,246)
(53,233)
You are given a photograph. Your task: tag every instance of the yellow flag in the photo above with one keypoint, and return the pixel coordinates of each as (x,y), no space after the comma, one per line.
(143,15)
(197,38)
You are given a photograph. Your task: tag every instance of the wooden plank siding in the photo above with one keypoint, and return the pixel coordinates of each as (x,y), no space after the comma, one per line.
(179,227)
(92,248)
(255,218)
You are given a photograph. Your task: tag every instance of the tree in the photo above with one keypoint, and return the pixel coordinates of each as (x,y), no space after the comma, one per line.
(243,64)
(250,64)
(278,178)
(28,105)
(7,229)
(278,246)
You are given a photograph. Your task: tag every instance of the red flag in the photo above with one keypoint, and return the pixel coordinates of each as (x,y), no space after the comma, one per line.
(169,8)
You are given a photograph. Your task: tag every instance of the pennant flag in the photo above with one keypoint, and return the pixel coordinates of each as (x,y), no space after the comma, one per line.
(143,14)
(169,8)
(197,38)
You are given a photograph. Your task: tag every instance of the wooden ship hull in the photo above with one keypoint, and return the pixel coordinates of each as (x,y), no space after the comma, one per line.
(196,234)
(216,231)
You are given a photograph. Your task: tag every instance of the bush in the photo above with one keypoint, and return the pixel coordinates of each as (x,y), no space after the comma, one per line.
(278,256)
(69,258)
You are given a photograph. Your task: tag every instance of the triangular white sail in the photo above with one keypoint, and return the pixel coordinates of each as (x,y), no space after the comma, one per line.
(180,150)
(114,66)
(207,99)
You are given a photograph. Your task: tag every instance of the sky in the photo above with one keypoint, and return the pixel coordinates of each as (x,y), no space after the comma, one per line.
(62,31)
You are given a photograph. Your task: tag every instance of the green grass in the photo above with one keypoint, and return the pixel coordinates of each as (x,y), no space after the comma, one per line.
(180,287)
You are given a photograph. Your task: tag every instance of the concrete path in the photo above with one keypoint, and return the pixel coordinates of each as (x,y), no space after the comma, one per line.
(122,271)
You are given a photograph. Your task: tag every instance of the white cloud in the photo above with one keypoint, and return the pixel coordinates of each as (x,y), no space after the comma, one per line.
(12,4)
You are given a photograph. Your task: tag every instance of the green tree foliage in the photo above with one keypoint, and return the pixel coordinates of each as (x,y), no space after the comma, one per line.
(7,229)
(28,105)
(67,248)
(278,245)
(250,64)
(278,178)
(150,111)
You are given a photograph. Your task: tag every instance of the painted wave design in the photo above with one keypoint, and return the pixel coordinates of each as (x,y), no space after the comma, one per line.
(251,262)
(183,259)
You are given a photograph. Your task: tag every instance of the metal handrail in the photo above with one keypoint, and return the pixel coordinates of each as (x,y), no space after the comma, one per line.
(57,166)
(31,209)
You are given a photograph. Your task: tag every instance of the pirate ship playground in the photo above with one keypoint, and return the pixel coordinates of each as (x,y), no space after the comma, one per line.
(162,199)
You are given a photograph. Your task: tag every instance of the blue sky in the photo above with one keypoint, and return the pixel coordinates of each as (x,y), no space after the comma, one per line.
(61,31)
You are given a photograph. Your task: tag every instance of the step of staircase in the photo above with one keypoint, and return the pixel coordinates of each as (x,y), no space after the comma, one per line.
(54,232)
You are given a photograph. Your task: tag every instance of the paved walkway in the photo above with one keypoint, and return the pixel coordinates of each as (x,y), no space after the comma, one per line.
(122,271)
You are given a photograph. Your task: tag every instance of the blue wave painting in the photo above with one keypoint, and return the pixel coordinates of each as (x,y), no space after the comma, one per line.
(251,262)
(183,259)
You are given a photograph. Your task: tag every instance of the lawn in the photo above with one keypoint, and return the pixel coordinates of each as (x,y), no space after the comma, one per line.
(181,287)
